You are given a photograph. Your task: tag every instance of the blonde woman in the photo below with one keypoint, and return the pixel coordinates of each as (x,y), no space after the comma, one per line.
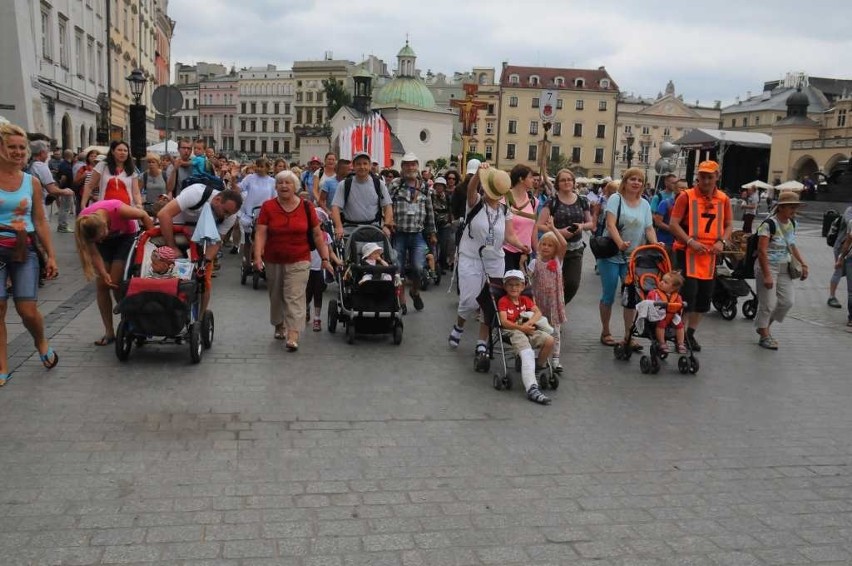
(105,232)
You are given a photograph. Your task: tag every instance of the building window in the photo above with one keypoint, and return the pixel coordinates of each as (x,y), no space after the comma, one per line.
(263,108)
(513,101)
(309,96)
(46,35)
(309,116)
(286,108)
(578,130)
(275,108)
(667,132)
(513,126)
(602,105)
(79,53)
(253,125)
(489,152)
(299,116)
(841,118)
(263,125)
(510,151)
(286,146)
(274,146)
(286,126)
(644,152)
(601,133)
(559,81)
(298,97)
(489,127)
(557,129)
(555,150)
(534,80)
(471,148)
(252,146)
(474,129)
(63,42)
(646,130)
(599,155)
(733,122)
(576,153)
(514,79)
(578,105)
(745,122)
(532,152)
(533,127)
(319,96)
(628,129)
(319,115)
(254,107)
(559,104)
(262,146)
(535,102)
(243,106)
(579,83)
(491,110)
(757,120)
(100,69)
(243,146)
(604,83)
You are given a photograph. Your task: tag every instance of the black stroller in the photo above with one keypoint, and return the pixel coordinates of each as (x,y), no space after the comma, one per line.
(247,268)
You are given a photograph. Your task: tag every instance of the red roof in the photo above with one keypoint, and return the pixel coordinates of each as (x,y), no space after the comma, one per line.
(547,78)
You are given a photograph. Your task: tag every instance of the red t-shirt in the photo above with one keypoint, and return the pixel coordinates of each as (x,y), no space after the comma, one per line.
(513,311)
(286,232)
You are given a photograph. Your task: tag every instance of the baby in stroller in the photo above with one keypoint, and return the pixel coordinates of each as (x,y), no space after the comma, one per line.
(667,292)
(371,254)
(163,262)
(519,316)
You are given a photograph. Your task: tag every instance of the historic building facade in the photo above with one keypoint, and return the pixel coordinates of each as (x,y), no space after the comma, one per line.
(265,121)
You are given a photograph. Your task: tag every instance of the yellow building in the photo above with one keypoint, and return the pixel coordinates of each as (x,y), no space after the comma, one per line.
(653,121)
(132,45)
(584,117)
(310,105)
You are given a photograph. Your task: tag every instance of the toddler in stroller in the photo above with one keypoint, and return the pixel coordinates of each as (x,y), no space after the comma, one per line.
(667,293)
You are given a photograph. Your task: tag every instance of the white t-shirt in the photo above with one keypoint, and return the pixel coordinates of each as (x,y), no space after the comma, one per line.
(488,220)
(256,190)
(190,197)
(122,176)
(316,260)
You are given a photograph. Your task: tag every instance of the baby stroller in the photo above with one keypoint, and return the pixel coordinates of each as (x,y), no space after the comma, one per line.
(492,292)
(248,269)
(371,307)
(646,266)
(731,282)
(428,275)
(166,308)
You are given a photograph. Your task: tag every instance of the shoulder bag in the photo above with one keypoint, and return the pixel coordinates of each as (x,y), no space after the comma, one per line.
(604,247)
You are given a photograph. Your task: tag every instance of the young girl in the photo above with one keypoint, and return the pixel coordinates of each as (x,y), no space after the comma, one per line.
(546,274)
(667,291)
(316,280)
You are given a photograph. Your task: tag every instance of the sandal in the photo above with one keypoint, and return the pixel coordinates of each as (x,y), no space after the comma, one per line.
(4,378)
(636,346)
(608,340)
(50,358)
(105,341)
(768,342)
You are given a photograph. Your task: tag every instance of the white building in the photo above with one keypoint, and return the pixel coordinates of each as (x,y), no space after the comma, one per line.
(265,120)
(54,67)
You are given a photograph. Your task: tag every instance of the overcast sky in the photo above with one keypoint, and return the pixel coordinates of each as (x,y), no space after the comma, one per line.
(712,51)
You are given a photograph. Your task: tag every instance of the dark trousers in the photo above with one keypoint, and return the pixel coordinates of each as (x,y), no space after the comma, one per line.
(572,269)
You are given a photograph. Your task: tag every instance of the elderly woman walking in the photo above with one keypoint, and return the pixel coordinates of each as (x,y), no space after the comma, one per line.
(775,268)
(281,246)
(21,215)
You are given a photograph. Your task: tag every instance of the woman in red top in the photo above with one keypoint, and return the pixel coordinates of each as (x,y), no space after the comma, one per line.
(281,247)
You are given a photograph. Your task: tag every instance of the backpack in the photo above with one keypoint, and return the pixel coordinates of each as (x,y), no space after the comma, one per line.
(746,268)
(347,188)
(469,218)
(838,227)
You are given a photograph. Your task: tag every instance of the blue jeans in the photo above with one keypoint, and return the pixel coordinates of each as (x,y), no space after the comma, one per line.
(24,275)
(412,243)
(610,273)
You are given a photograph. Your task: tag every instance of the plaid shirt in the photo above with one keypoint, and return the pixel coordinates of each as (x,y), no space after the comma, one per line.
(412,211)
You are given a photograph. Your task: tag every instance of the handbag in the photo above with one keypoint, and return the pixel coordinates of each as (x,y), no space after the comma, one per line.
(794,268)
(604,247)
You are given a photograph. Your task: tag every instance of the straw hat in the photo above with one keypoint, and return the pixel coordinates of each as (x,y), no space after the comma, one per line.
(788,197)
(495,182)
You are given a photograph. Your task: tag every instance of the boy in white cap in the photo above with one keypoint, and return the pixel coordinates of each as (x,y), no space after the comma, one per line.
(371,253)
(518,317)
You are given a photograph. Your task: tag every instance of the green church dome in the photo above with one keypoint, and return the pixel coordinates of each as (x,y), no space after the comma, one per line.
(406,90)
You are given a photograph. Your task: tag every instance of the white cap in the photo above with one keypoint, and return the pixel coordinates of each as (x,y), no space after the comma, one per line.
(440,181)
(409,158)
(473,166)
(360,154)
(513,274)
(369,248)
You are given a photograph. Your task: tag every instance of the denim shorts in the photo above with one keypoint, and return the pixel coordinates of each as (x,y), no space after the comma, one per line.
(24,275)
(413,243)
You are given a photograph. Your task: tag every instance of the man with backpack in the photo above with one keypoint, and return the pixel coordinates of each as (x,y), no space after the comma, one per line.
(835,238)
(362,198)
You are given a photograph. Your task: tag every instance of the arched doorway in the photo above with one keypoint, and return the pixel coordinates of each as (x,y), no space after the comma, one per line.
(82,138)
(91,136)
(805,166)
(67,132)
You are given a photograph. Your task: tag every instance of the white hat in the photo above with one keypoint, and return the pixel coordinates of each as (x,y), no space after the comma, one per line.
(473,166)
(409,158)
(440,181)
(513,274)
(360,154)
(369,248)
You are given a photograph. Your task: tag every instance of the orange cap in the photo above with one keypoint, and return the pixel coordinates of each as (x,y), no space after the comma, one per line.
(708,167)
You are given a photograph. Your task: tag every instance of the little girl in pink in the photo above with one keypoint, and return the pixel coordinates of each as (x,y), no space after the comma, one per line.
(546,274)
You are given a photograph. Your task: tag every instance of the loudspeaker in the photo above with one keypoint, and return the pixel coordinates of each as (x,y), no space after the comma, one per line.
(138,143)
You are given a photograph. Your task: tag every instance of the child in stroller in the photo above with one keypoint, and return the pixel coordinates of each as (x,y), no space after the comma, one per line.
(667,292)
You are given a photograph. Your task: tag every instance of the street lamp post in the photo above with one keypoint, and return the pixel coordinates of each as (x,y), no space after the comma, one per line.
(630,140)
(138,143)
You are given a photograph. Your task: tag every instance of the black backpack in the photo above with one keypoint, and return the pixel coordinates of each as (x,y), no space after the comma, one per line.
(838,227)
(469,218)
(746,269)
(347,188)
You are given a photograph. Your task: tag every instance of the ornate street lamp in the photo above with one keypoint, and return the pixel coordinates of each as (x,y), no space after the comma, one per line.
(138,142)
(630,140)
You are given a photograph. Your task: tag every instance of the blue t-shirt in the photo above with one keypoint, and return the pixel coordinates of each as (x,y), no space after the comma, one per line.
(632,224)
(329,186)
(664,209)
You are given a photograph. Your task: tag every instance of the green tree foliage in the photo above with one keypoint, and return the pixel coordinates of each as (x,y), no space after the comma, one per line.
(335,96)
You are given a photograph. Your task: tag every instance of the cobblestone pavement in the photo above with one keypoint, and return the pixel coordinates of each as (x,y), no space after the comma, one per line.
(381,455)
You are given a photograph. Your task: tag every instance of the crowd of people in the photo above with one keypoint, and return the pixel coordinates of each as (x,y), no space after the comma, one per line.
(511,229)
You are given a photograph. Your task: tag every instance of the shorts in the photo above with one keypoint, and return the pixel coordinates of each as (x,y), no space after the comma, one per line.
(667,321)
(521,341)
(413,242)
(116,248)
(24,275)
(696,293)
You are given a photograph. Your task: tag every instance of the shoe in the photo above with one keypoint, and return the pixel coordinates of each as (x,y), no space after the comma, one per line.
(65,230)
(663,348)
(49,359)
(317,325)
(768,342)
(292,346)
(834,303)
(5,378)
(235,250)
(481,362)
(693,343)
(418,302)
(535,395)
(454,339)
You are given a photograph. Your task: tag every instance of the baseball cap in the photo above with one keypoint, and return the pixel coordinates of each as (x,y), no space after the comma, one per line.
(315,158)
(440,181)
(708,167)
(473,166)
(513,274)
(360,154)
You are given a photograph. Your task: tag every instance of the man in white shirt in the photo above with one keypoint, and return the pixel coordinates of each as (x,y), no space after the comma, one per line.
(39,169)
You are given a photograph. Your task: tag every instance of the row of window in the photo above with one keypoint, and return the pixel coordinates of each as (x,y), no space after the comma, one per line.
(251,146)
(535,80)
(556,129)
(227,121)
(646,130)
(555,152)
(227,99)
(264,126)
(265,107)
(268,89)
(579,104)
(309,96)
(88,59)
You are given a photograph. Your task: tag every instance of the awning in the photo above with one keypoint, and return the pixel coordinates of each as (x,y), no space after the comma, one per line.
(701,138)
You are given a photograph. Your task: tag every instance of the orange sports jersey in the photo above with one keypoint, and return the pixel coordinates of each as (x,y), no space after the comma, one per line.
(703,219)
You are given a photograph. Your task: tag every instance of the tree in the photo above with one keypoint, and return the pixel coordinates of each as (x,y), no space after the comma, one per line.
(561,162)
(336,96)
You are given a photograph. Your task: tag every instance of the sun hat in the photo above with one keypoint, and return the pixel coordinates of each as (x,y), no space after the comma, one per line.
(514,274)
(473,166)
(788,197)
(165,253)
(708,166)
(409,158)
(440,181)
(495,182)
(369,248)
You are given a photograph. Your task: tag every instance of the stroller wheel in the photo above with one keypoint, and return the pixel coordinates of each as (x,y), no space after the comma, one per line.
(243,274)
(350,332)
(507,382)
(424,280)
(404,309)
(123,341)
(554,381)
(693,365)
(397,333)
(543,378)
(655,366)
(332,316)
(196,347)
(618,351)
(729,309)
(497,382)
(645,364)
(683,365)
(255,279)
(481,363)
(207,329)
(750,309)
